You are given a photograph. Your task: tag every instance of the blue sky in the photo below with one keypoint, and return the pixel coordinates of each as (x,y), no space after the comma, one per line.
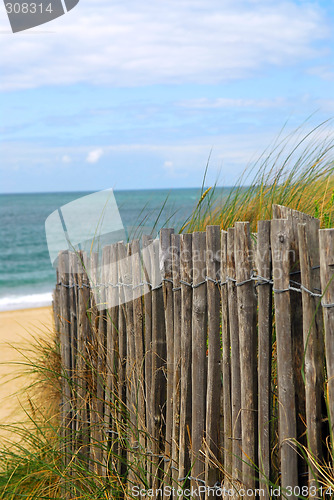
(133,95)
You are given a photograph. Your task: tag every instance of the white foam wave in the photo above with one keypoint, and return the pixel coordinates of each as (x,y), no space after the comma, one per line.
(25,301)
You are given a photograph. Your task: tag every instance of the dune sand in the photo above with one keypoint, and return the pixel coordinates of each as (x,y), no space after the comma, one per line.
(17,328)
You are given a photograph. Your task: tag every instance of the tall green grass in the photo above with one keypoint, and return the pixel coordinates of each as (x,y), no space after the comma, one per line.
(41,462)
(297,170)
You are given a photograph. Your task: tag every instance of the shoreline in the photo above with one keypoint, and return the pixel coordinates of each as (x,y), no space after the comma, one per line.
(28,301)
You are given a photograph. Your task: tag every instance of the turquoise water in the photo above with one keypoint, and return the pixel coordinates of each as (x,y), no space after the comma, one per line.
(26,274)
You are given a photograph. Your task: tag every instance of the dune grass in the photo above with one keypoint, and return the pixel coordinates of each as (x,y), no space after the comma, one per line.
(297,171)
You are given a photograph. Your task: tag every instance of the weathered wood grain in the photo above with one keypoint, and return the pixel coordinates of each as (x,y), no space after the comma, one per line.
(212,435)
(139,348)
(186,353)
(280,243)
(235,359)
(199,358)
(295,217)
(158,365)
(65,356)
(146,260)
(226,366)
(167,289)
(263,265)
(177,355)
(327,285)
(308,235)
(248,350)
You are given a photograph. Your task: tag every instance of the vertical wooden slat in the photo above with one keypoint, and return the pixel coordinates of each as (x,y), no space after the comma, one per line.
(226,365)
(280,243)
(139,346)
(327,284)
(146,241)
(73,271)
(101,361)
(199,361)
(125,270)
(82,360)
(89,262)
(264,290)
(186,351)
(313,340)
(158,365)
(235,359)
(295,217)
(108,350)
(112,353)
(167,288)
(95,450)
(248,351)
(65,354)
(122,369)
(177,355)
(212,435)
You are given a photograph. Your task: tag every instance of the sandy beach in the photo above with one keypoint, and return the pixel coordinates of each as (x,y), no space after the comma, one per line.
(17,329)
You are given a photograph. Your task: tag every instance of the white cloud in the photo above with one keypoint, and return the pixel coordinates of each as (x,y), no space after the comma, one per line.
(66,159)
(94,156)
(205,103)
(171,170)
(325,72)
(135,43)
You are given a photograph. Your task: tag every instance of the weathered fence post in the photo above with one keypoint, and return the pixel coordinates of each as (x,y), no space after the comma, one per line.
(280,242)
(82,361)
(327,284)
(177,356)
(139,348)
(308,235)
(125,272)
(248,351)
(264,351)
(65,355)
(295,217)
(111,396)
(226,366)
(167,288)
(212,435)
(101,361)
(199,359)
(146,241)
(122,365)
(235,361)
(186,350)
(158,366)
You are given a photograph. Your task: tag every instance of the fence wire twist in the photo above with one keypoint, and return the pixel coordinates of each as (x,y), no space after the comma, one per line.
(257,279)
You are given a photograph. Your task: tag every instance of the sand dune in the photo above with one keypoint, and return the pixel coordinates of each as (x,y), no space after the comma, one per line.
(17,328)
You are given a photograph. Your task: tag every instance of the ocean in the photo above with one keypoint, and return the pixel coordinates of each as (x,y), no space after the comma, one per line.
(27,277)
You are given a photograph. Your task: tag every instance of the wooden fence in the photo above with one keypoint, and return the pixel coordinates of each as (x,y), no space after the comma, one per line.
(218,373)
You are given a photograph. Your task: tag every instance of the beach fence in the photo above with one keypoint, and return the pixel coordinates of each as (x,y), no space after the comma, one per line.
(201,360)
